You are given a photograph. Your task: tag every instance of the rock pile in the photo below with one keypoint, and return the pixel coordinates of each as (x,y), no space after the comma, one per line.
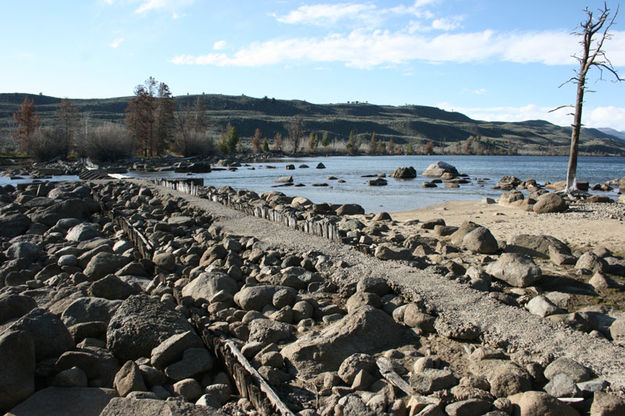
(95,319)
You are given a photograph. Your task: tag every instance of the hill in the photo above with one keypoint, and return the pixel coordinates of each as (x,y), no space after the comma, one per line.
(454,132)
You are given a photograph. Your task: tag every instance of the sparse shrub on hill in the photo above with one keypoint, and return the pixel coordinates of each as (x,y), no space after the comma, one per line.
(49,143)
(105,143)
(229,140)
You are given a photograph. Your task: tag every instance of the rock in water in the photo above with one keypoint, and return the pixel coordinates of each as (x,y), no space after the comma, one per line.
(140,324)
(438,169)
(404,173)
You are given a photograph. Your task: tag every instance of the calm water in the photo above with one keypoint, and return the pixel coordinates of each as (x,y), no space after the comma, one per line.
(402,195)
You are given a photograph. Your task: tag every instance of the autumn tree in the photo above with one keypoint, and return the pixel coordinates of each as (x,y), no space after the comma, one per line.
(150,117)
(390,146)
(313,141)
(256,140)
(594,32)
(67,117)
(296,132)
(27,124)
(373,144)
(429,148)
(277,142)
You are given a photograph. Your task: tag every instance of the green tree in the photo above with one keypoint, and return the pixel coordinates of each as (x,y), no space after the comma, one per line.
(229,140)
(265,145)
(313,141)
(325,139)
(409,149)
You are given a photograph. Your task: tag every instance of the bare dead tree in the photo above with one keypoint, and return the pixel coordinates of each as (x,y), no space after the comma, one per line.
(594,31)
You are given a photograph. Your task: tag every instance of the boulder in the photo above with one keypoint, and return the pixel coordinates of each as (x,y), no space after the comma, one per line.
(606,404)
(537,245)
(350,209)
(257,297)
(480,240)
(515,269)
(511,198)
(188,388)
(468,407)
(17,372)
(67,208)
(284,179)
(404,173)
(89,309)
(550,202)
(430,380)
(617,330)
(111,287)
(354,364)
(15,306)
(63,401)
(128,379)
(98,364)
(72,377)
(438,169)
(377,182)
(105,263)
(267,331)
(140,324)
(51,337)
(171,349)
(326,350)
(165,261)
(134,407)
(538,403)
(561,385)
(25,251)
(13,224)
(206,285)
(507,183)
(83,232)
(542,306)
(194,361)
(571,368)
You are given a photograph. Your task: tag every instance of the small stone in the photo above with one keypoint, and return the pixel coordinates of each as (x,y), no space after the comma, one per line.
(128,379)
(72,377)
(189,389)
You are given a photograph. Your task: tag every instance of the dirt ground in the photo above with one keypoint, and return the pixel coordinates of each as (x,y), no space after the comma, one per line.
(585,225)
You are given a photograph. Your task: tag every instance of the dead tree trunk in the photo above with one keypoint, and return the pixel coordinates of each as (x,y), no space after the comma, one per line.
(593,55)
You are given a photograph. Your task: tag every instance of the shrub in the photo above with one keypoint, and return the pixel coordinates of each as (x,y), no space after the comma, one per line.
(106,143)
(48,143)
(194,143)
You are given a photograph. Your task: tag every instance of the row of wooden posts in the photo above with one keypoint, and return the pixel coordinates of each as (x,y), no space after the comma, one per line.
(194,186)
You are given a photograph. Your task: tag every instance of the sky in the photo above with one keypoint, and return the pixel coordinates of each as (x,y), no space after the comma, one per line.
(490,59)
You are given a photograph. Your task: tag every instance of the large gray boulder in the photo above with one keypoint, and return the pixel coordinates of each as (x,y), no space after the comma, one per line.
(514,269)
(326,350)
(17,372)
(537,246)
(83,232)
(257,297)
(14,224)
(538,403)
(570,367)
(65,401)
(89,309)
(68,208)
(140,324)
(119,406)
(172,348)
(206,285)
(105,263)
(550,202)
(15,306)
(99,365)
(129,379)
(439,169)
(480,240)
(50,336)
(111,287)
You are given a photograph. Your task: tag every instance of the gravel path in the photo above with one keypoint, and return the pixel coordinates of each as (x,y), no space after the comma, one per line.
(454,302)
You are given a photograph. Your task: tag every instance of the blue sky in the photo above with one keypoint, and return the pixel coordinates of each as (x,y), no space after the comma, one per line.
(490,59)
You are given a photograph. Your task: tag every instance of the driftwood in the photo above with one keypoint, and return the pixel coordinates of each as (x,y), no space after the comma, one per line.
(416,403)
(249,382)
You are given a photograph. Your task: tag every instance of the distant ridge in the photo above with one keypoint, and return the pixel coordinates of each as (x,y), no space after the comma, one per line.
(412,124)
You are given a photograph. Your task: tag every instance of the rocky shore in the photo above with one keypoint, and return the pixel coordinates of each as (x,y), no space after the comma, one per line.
(124,297)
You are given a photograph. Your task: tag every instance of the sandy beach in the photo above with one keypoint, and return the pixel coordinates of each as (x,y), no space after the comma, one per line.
(585,225)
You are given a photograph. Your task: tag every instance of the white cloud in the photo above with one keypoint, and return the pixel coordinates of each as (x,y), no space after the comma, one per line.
(219,45)
(447,23)
(324,14)
(114,44)
(613,117)
(169,5)
(479,91)
(368,49)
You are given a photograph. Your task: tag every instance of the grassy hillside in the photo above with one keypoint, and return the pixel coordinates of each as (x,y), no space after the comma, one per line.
(450,131)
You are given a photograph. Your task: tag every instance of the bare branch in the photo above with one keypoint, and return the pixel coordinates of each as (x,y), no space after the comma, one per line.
(560,108)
